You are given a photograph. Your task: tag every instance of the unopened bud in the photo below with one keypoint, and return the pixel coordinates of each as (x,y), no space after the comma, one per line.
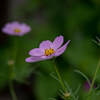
(10,62)
(67,95)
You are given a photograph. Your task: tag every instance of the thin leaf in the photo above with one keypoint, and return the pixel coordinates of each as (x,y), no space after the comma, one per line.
(55,77)
(61,91)
(98,39)
(73,96)
(61,96)
(95,42)
(96,87)
(98,43)
(77,89)
(82,74)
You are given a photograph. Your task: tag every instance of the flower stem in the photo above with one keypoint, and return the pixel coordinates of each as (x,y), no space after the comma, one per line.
(91,87)
(59,76)
(12,90)
(11,70)
(15,49)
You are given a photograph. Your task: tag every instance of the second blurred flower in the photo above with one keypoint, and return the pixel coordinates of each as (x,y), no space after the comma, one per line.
(16,29)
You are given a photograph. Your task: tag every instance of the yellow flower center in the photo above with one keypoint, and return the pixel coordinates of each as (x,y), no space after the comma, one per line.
(49,51)
(17,30)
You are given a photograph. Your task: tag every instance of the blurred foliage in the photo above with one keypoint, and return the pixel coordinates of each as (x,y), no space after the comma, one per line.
(77,20)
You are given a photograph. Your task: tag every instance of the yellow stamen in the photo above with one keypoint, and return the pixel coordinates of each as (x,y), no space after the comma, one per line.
(17,30)
(49,51)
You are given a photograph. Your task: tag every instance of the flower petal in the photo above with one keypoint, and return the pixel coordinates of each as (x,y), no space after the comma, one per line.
(24,28)
(36,52)
(45,45)
(57,42)
(61,50)
(50,56)
(33,59)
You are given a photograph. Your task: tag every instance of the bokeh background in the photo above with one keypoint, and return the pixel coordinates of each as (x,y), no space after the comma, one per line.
(76,20)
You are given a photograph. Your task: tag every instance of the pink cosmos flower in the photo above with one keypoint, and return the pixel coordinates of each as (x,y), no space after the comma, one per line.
(15,28)
(47,50)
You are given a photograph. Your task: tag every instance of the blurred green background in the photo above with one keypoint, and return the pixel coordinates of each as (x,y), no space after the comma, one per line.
(76,20)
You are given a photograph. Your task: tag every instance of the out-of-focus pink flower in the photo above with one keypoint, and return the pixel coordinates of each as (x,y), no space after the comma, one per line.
(15,28)
(48,50)
(87,86)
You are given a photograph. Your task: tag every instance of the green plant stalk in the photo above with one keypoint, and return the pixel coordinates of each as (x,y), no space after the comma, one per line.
(11,71)
(11,88)
(13,94)
(15,49)
(91,87)
(59,76)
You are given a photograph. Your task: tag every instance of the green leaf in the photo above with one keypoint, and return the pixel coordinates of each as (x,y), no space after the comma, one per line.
(82,74)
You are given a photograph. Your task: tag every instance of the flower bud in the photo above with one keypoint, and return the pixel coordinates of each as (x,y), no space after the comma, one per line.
(67,95)
(10,62)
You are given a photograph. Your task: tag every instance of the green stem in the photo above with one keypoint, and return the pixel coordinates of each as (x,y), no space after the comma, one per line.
(59,76)
(15,48)
(91,87)
(11,88)
(13,94)
(11,70)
